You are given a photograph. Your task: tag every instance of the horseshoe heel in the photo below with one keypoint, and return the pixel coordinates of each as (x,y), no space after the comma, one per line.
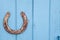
(22,29)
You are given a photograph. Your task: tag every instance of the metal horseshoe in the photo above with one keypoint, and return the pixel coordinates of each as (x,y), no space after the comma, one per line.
(22,29)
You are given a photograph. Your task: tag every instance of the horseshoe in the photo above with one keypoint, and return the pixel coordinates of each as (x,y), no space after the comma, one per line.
(22,29)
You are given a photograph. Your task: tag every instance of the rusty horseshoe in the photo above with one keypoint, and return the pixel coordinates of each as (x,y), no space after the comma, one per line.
(22,29)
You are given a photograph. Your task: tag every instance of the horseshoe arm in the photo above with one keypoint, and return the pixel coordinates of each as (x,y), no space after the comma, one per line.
(22,29)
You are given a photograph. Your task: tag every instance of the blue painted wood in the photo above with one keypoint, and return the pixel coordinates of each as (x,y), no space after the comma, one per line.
(54,19)
(7,5)
(41,20)
(25,6)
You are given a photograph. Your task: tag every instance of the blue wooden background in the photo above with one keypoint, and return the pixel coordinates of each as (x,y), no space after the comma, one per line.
(43,19)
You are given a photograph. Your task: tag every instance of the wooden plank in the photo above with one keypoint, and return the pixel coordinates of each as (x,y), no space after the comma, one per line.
(55,19)
(25,6)
(7,5)
(41,20)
